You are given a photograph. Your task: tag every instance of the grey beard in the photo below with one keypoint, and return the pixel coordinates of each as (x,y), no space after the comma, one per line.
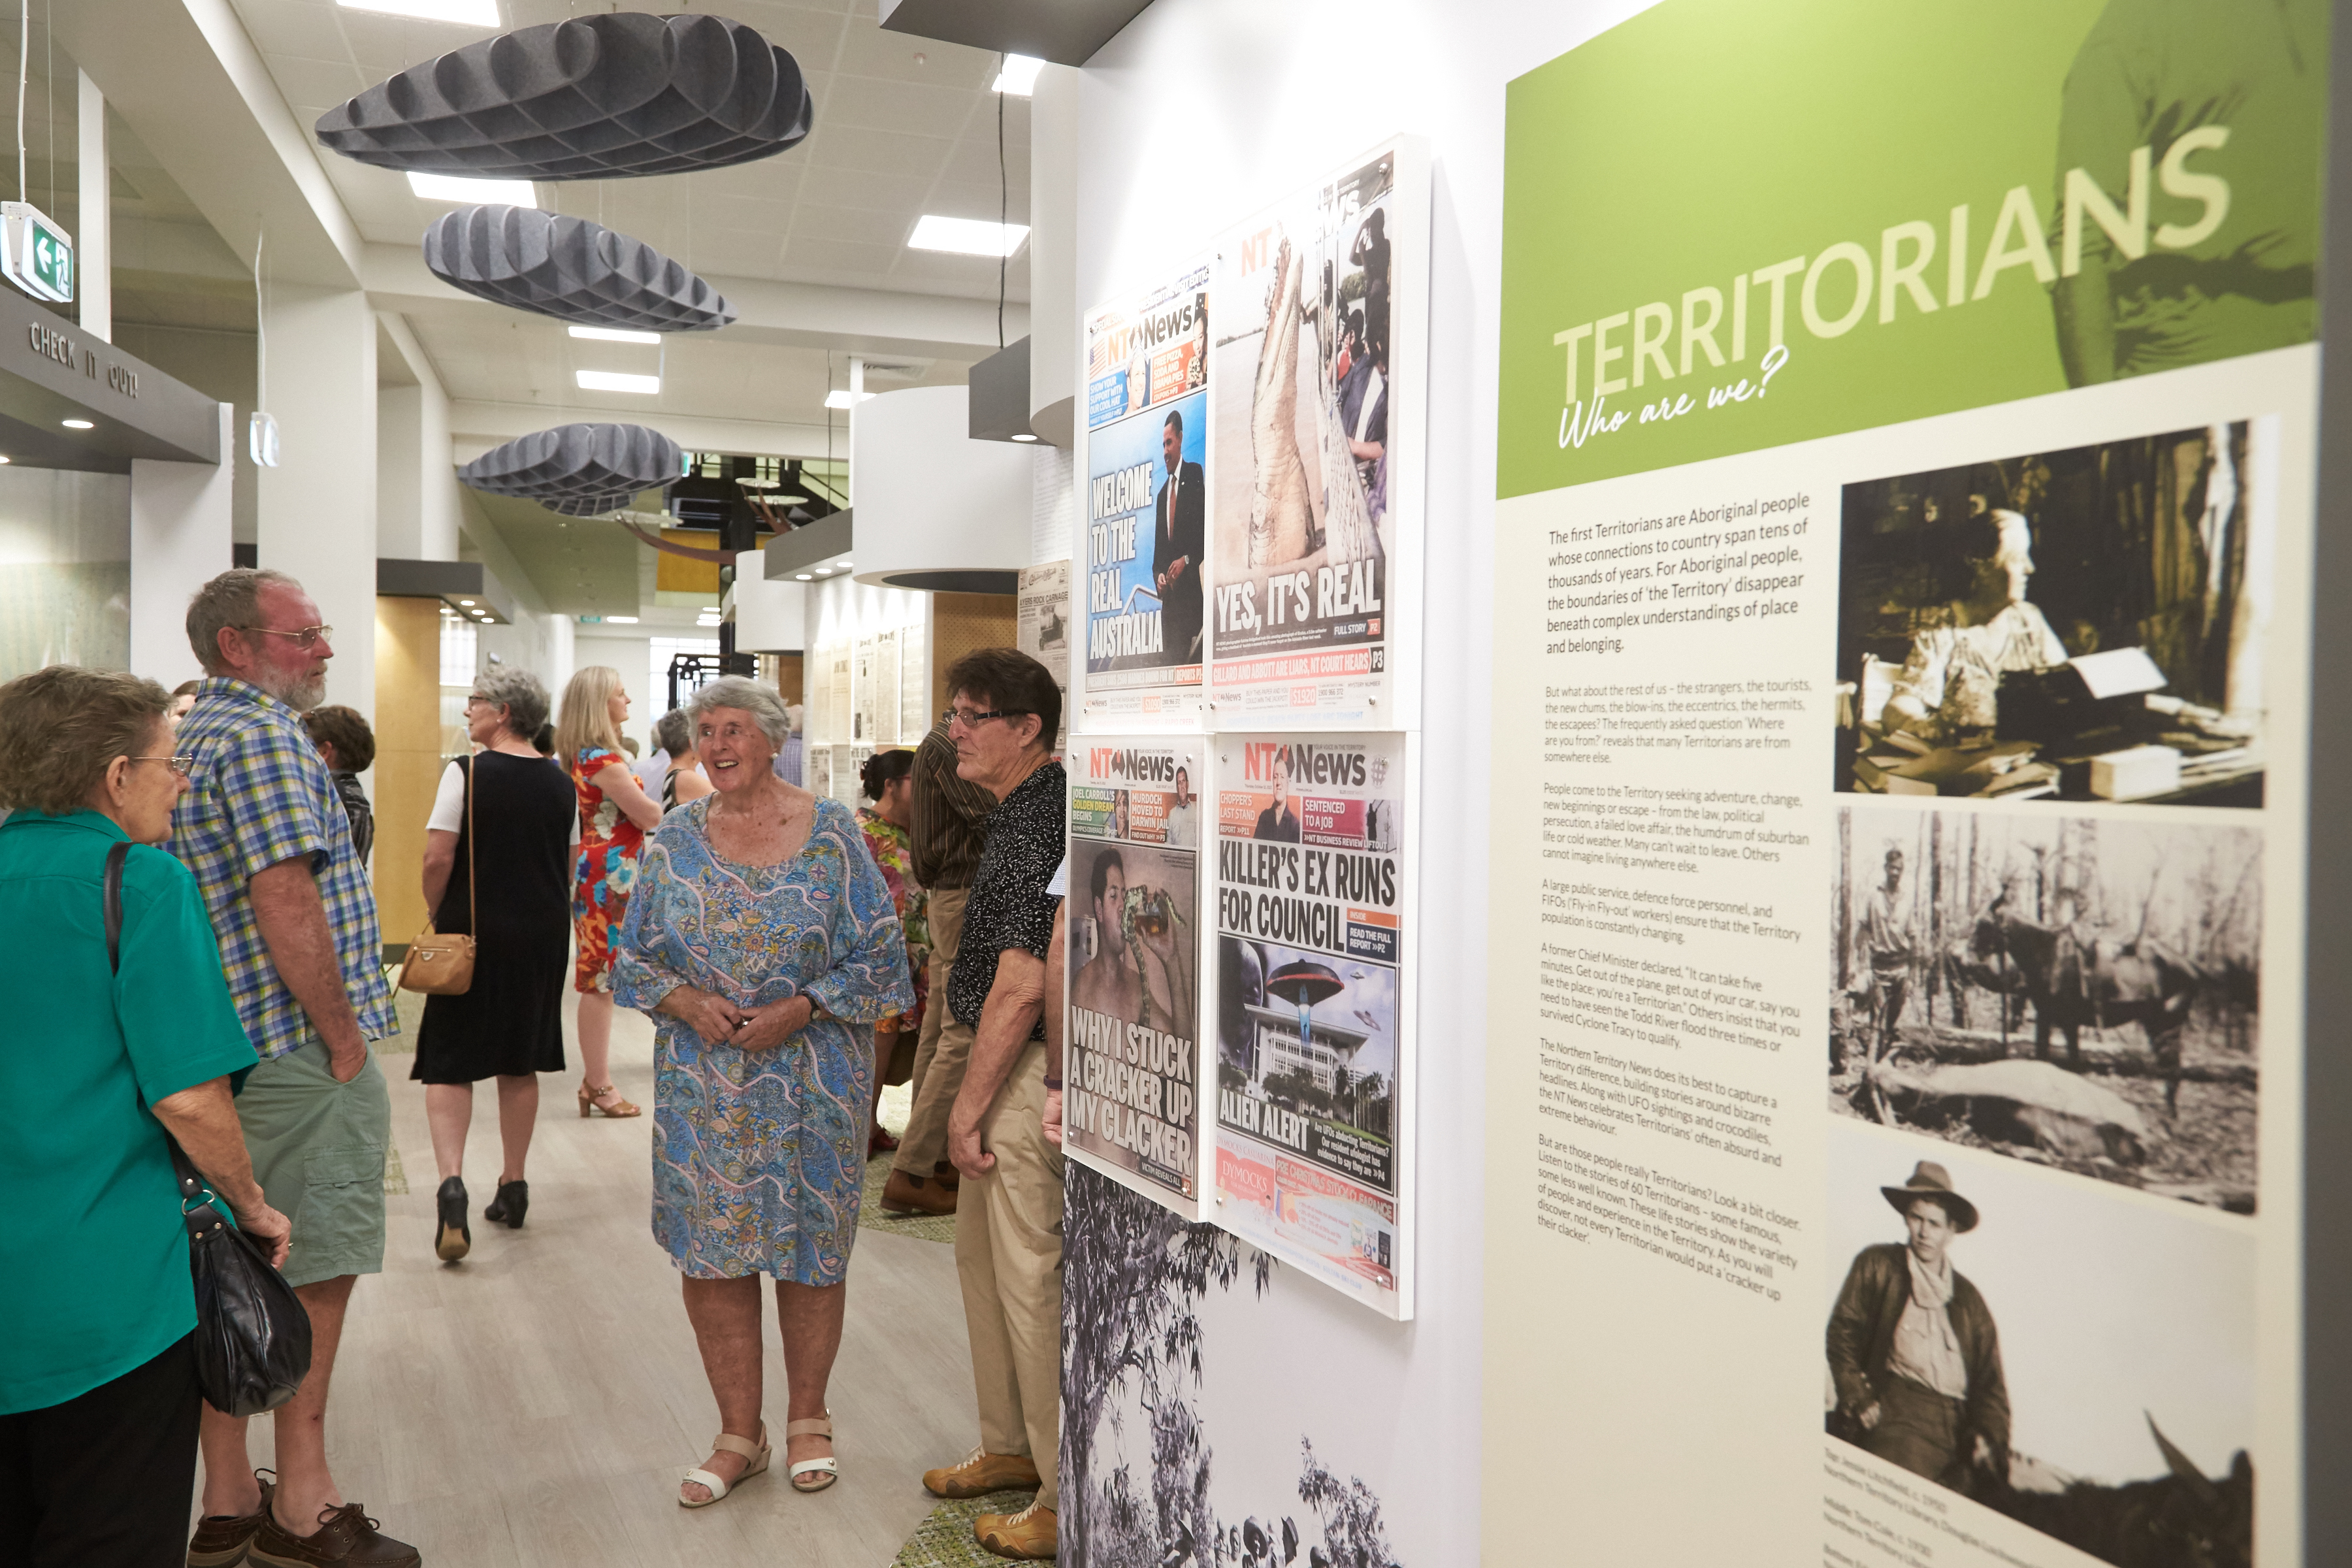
(301,695)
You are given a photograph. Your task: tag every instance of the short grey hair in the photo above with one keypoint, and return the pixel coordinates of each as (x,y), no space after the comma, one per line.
(519,692)
(229,602)
(672,734)
(767,708)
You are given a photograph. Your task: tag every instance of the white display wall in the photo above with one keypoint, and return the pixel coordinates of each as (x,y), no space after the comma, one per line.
(1303,1394)
(865,679)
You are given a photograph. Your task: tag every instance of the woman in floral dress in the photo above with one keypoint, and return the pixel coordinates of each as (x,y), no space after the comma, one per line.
(616,815)
(890,783)
(762,937)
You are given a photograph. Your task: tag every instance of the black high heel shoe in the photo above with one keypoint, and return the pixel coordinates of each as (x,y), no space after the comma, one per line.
(454,1237)
(507,1207)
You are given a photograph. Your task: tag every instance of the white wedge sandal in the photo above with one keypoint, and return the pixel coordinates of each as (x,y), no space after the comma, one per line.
(758,1454)
(828,1467)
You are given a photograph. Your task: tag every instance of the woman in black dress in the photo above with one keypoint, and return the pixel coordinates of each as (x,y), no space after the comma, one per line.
(505,876)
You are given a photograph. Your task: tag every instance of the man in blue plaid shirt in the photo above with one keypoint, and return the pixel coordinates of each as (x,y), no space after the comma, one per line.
(265,832)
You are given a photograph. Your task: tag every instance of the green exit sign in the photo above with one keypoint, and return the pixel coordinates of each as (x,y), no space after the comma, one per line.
(36,254)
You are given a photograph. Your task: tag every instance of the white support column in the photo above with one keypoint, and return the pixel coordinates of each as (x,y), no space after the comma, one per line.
(770,617)
(180,536)
(440,500)
(400,473)
(316,515)
(1054,123)
(94,245)
(418,505)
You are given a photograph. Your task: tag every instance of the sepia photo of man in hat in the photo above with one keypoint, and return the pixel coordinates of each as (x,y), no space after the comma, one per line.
(1913,1353)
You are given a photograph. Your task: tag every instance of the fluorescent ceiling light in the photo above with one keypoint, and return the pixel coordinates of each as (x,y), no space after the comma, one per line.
(825,571)
(967,236)
(800,577)
(843,398)
(844,566)
(1018,77)
(622,620)
(78,425)
(464,13)
(615,335)
(1023,435)
(494,192)
(614,381)
(467,602)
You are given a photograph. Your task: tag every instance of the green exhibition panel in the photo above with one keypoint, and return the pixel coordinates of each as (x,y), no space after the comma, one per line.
(1909,471)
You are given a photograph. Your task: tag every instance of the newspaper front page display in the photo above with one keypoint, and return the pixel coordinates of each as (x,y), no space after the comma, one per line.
(1315,532)
(1143,532)
(1040,626)
(916,715)
(1131,1105)
(1314,931)
(875,719)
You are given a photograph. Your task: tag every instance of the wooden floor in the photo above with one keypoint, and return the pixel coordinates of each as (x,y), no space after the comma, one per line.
(536,1403)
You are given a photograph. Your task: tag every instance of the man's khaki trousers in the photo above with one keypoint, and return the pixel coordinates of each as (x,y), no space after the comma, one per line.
(941,1052)
(1009,1259)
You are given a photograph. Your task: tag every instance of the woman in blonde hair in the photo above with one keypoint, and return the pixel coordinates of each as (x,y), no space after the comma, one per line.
(616,815)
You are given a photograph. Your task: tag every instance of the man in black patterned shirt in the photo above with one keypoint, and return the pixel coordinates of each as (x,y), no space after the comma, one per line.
(1006,713)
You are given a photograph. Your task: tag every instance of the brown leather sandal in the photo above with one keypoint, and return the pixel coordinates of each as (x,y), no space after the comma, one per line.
(589,1094)
(827,1469)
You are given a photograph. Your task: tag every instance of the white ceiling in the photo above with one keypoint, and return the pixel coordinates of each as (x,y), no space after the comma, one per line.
(810,242)
(520,361)
(893,139)
(901,128)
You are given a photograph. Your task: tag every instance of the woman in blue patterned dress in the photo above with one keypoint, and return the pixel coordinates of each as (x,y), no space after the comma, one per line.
(763,940)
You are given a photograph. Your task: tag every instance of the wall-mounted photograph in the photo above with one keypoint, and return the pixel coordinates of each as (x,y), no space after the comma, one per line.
(2074,1359)
(2082,625)
(2079,993)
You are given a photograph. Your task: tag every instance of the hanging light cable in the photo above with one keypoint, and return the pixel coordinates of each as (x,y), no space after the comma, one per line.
(23,63)
(261,436)
(1003,201)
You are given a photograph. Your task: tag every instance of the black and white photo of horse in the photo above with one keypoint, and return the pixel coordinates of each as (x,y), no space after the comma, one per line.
(2077,992)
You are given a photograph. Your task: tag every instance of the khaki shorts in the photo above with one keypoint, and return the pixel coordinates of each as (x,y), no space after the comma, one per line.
(318,1151)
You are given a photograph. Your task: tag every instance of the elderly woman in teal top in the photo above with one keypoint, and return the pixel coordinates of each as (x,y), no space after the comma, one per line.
(764,940)
(98,1376)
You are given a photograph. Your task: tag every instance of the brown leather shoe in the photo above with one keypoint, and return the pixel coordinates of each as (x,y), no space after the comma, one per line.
(347,1538)
(1031,1535)
(221,1539)
(982,1473)
(904,1195)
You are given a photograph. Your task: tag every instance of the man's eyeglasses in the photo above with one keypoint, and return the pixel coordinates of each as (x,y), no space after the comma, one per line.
(304,637)
(973,718)
(182,766)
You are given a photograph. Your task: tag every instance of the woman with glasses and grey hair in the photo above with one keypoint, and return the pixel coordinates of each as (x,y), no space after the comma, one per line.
(763,939)
(497,867)
(122,1037)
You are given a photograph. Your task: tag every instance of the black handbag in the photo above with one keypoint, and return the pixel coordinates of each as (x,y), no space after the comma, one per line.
(253,1334)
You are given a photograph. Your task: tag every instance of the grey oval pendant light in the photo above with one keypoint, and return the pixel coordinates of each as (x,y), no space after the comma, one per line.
(569,269)
(580,470)
(598,96)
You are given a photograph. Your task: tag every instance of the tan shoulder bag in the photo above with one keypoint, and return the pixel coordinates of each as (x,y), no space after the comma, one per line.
(441,965)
